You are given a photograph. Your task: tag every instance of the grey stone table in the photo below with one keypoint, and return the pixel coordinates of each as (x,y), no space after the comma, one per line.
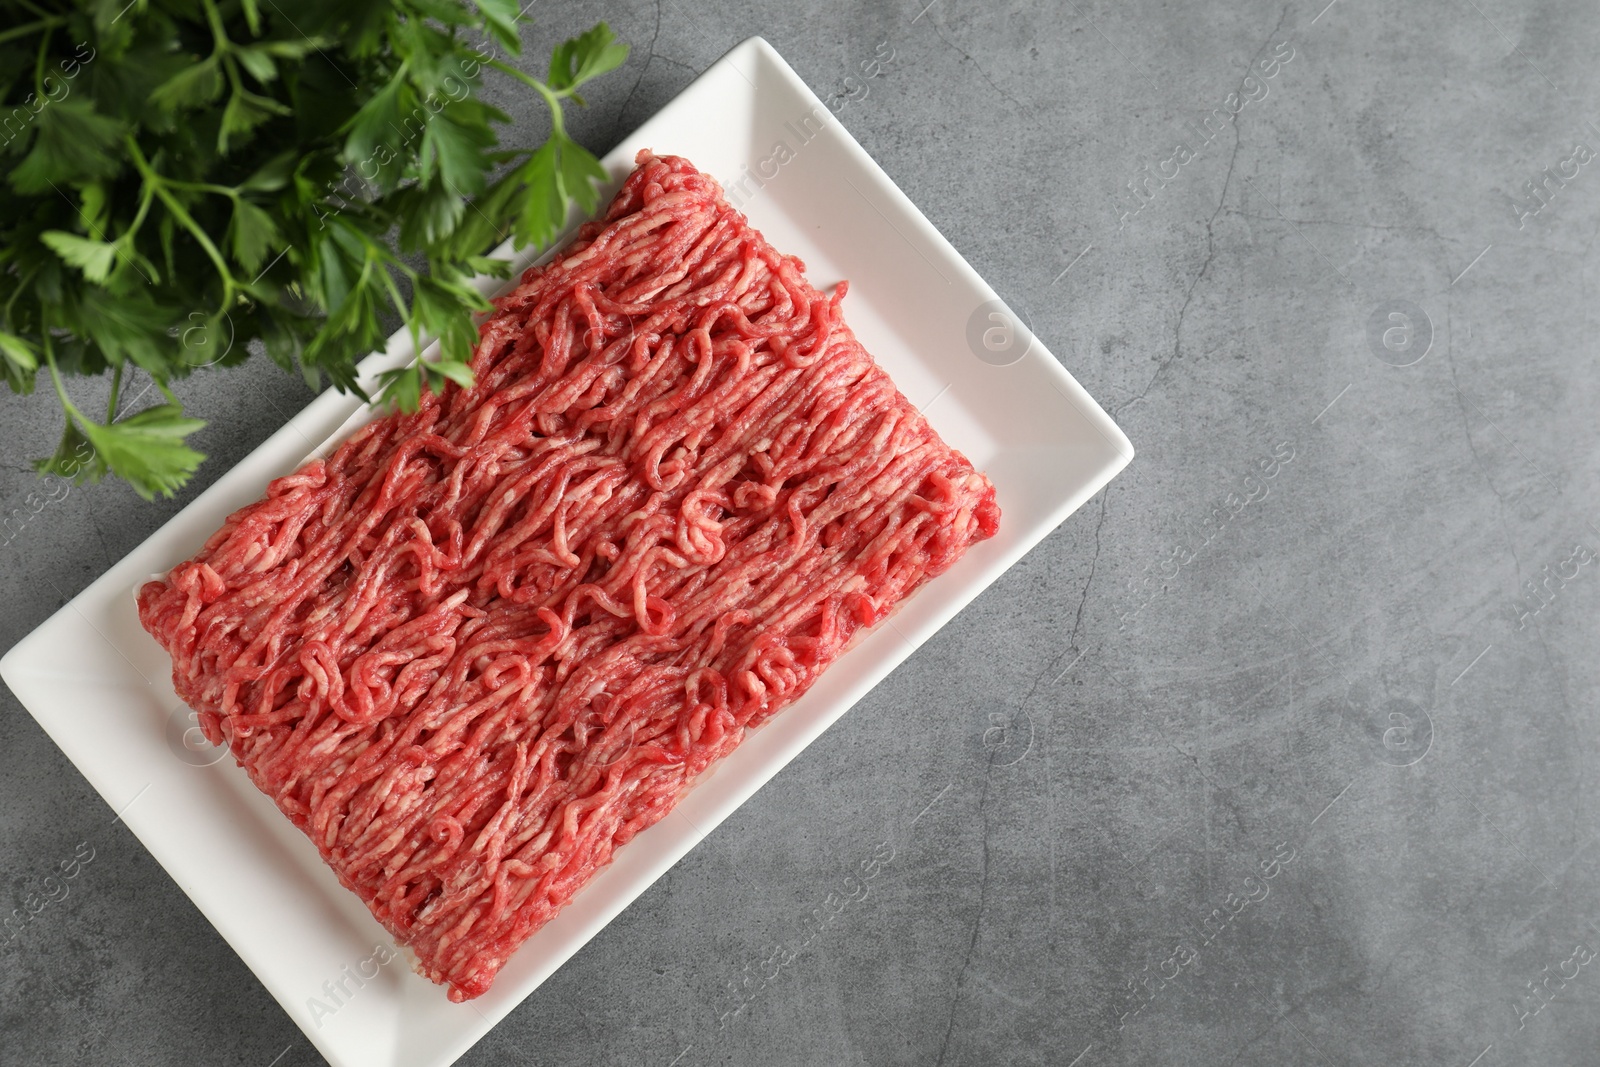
(1281,750)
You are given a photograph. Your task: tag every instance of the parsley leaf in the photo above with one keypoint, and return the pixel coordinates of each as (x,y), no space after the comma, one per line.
(579,172)
(192,86)
(501,18)
(586,56)
(131,327)
(147,450)
(73,142)
(20,361)
(273,173)
(74,458)
(94,258)
(251,234)
(544,208)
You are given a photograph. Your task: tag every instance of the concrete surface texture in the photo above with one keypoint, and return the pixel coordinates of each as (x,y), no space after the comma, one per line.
(1280,750)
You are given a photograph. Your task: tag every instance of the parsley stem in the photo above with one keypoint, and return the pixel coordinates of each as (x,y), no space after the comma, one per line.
(55,377)
(5,316)
(202,187)
(214,19)
(32,27)
(551,97)
(116,385)
(138,218)
(38,66)
(159,185)
(398,301)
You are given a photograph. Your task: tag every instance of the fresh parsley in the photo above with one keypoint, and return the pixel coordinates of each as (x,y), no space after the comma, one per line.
(265,170)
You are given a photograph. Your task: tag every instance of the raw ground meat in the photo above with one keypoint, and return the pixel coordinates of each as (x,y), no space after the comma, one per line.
(483,645)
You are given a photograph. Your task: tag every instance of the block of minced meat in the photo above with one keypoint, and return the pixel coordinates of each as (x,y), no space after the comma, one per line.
(482,646)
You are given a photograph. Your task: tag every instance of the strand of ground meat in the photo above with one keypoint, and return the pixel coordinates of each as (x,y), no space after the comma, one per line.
(482,646)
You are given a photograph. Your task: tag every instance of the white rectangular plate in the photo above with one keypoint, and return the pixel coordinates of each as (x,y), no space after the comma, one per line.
(101,687)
